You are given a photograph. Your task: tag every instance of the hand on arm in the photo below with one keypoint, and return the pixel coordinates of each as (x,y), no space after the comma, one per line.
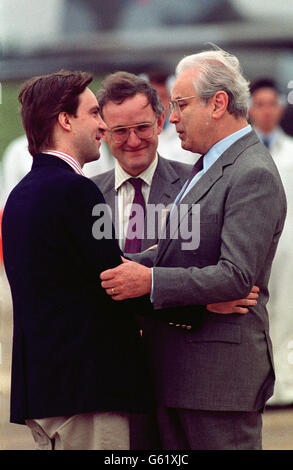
(235,306)
(128,280)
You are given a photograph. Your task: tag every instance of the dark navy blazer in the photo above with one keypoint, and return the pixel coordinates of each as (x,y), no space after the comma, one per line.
(75,350)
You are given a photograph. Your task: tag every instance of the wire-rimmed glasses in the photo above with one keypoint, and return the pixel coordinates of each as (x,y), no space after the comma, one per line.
(144,130)
(175,104)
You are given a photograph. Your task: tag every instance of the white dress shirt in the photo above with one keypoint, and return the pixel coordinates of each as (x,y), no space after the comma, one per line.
(125,194)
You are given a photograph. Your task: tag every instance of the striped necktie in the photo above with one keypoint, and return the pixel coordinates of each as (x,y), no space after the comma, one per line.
(133,244)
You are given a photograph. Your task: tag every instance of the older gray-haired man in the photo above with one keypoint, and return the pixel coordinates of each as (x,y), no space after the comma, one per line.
(212,381)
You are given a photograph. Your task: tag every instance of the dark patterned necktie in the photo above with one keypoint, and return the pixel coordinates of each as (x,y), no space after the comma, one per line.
(198,166)
(133,245)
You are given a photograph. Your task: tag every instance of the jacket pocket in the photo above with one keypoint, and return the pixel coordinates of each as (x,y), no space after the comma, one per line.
(216,332)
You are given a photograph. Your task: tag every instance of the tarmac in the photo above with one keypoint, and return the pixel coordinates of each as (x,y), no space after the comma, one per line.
(277,422)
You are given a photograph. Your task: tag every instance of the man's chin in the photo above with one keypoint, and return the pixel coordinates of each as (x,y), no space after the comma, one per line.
(96,156)
(92,159)
(184,145)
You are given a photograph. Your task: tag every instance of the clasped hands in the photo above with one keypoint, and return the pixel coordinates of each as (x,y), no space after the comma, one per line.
(131,279)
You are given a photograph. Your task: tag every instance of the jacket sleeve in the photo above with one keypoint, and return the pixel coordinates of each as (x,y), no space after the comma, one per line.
(89,226)
(146,257)
(253,220)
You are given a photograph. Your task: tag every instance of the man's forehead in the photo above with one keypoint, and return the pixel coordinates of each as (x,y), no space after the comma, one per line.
(87,97)
(132,110)
(183,85)
(138,100)
(265,92)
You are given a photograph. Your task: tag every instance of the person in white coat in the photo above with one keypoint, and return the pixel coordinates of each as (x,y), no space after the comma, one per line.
(266,111)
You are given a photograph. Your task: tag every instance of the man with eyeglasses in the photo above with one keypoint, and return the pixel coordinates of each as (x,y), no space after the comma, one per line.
(135,116)
(213,380)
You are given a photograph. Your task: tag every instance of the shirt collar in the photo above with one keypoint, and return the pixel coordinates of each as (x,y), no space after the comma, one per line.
(121,176)
(220,147)
(67,158)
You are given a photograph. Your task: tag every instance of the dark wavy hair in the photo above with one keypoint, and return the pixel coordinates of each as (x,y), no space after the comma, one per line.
(43,98)
(119,86)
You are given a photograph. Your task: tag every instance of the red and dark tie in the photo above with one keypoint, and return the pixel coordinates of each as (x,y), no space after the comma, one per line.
(198,166)
(133,244)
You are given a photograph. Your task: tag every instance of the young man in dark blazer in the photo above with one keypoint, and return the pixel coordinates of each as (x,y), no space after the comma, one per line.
(77,367)
(212,380)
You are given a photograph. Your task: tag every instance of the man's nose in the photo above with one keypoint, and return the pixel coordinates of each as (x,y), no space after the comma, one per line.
(174,117)
(102,125)
(133,140)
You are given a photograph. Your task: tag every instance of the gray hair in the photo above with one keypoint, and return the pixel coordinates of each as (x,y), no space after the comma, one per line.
(219,71)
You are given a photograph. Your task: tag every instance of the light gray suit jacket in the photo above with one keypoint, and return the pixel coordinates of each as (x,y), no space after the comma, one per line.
(167,182)
(225,361)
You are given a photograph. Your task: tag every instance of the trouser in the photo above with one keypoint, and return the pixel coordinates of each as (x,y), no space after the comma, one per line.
(88,431)
(182,429)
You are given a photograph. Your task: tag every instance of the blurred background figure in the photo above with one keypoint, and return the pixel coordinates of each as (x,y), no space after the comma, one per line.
(169,142)
(16,163)
(266,112)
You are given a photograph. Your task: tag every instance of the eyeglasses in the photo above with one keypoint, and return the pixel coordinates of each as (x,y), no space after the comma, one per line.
(144,130)
(175,104)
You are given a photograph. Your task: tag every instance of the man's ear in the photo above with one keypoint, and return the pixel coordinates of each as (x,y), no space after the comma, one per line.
(220,102)
(64,121)
(160,123)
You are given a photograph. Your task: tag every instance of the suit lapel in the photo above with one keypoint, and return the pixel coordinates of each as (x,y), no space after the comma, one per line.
(162,189)
(215,172)
(205,183)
